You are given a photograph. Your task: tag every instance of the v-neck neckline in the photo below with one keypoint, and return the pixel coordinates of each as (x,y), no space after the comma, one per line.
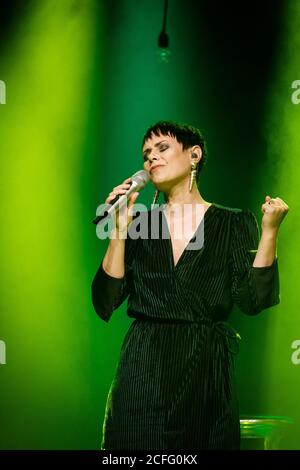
(169,238)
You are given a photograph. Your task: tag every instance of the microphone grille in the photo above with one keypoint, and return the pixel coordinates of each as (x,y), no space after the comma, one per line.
(141,177)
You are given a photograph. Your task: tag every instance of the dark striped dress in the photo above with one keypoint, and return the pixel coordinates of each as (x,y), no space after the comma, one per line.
(174,385)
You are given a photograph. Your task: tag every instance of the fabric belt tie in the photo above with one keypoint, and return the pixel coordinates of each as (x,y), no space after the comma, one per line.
(231,336)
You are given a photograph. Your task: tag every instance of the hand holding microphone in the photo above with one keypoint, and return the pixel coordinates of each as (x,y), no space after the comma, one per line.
(121,199)
(123,218)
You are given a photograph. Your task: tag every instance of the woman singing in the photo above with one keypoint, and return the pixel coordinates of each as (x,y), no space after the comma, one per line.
(174,385)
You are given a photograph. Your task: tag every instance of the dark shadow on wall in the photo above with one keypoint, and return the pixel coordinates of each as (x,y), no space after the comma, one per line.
(12,12)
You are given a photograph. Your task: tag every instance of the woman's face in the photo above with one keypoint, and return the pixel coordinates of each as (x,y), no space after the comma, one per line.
(173,163)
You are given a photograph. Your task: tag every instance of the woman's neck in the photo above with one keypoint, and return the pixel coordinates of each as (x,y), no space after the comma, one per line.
(181,196)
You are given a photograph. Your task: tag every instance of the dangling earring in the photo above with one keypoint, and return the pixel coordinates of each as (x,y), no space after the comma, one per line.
(156,194)
(193,174)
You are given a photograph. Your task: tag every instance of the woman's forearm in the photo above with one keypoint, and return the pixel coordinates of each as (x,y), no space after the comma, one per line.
(267,249)
(114,259)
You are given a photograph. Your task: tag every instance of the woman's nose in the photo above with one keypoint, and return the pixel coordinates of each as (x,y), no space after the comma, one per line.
(152,157)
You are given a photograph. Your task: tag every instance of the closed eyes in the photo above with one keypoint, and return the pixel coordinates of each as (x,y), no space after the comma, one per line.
(162,149)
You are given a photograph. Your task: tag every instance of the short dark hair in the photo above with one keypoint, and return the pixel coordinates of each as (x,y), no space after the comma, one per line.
(185,134)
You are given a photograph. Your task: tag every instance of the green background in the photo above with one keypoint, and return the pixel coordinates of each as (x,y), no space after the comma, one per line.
(84,79)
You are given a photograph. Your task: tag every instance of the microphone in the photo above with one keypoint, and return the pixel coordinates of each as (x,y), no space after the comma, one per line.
(139,181)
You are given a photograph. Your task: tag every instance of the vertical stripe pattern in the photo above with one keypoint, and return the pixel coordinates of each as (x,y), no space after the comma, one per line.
(174,386)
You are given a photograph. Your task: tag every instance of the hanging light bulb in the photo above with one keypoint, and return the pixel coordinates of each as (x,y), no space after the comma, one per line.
(163,44)
(163,39)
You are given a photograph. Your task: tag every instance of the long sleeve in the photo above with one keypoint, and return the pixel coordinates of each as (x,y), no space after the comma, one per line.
(253,288)
(108,292)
